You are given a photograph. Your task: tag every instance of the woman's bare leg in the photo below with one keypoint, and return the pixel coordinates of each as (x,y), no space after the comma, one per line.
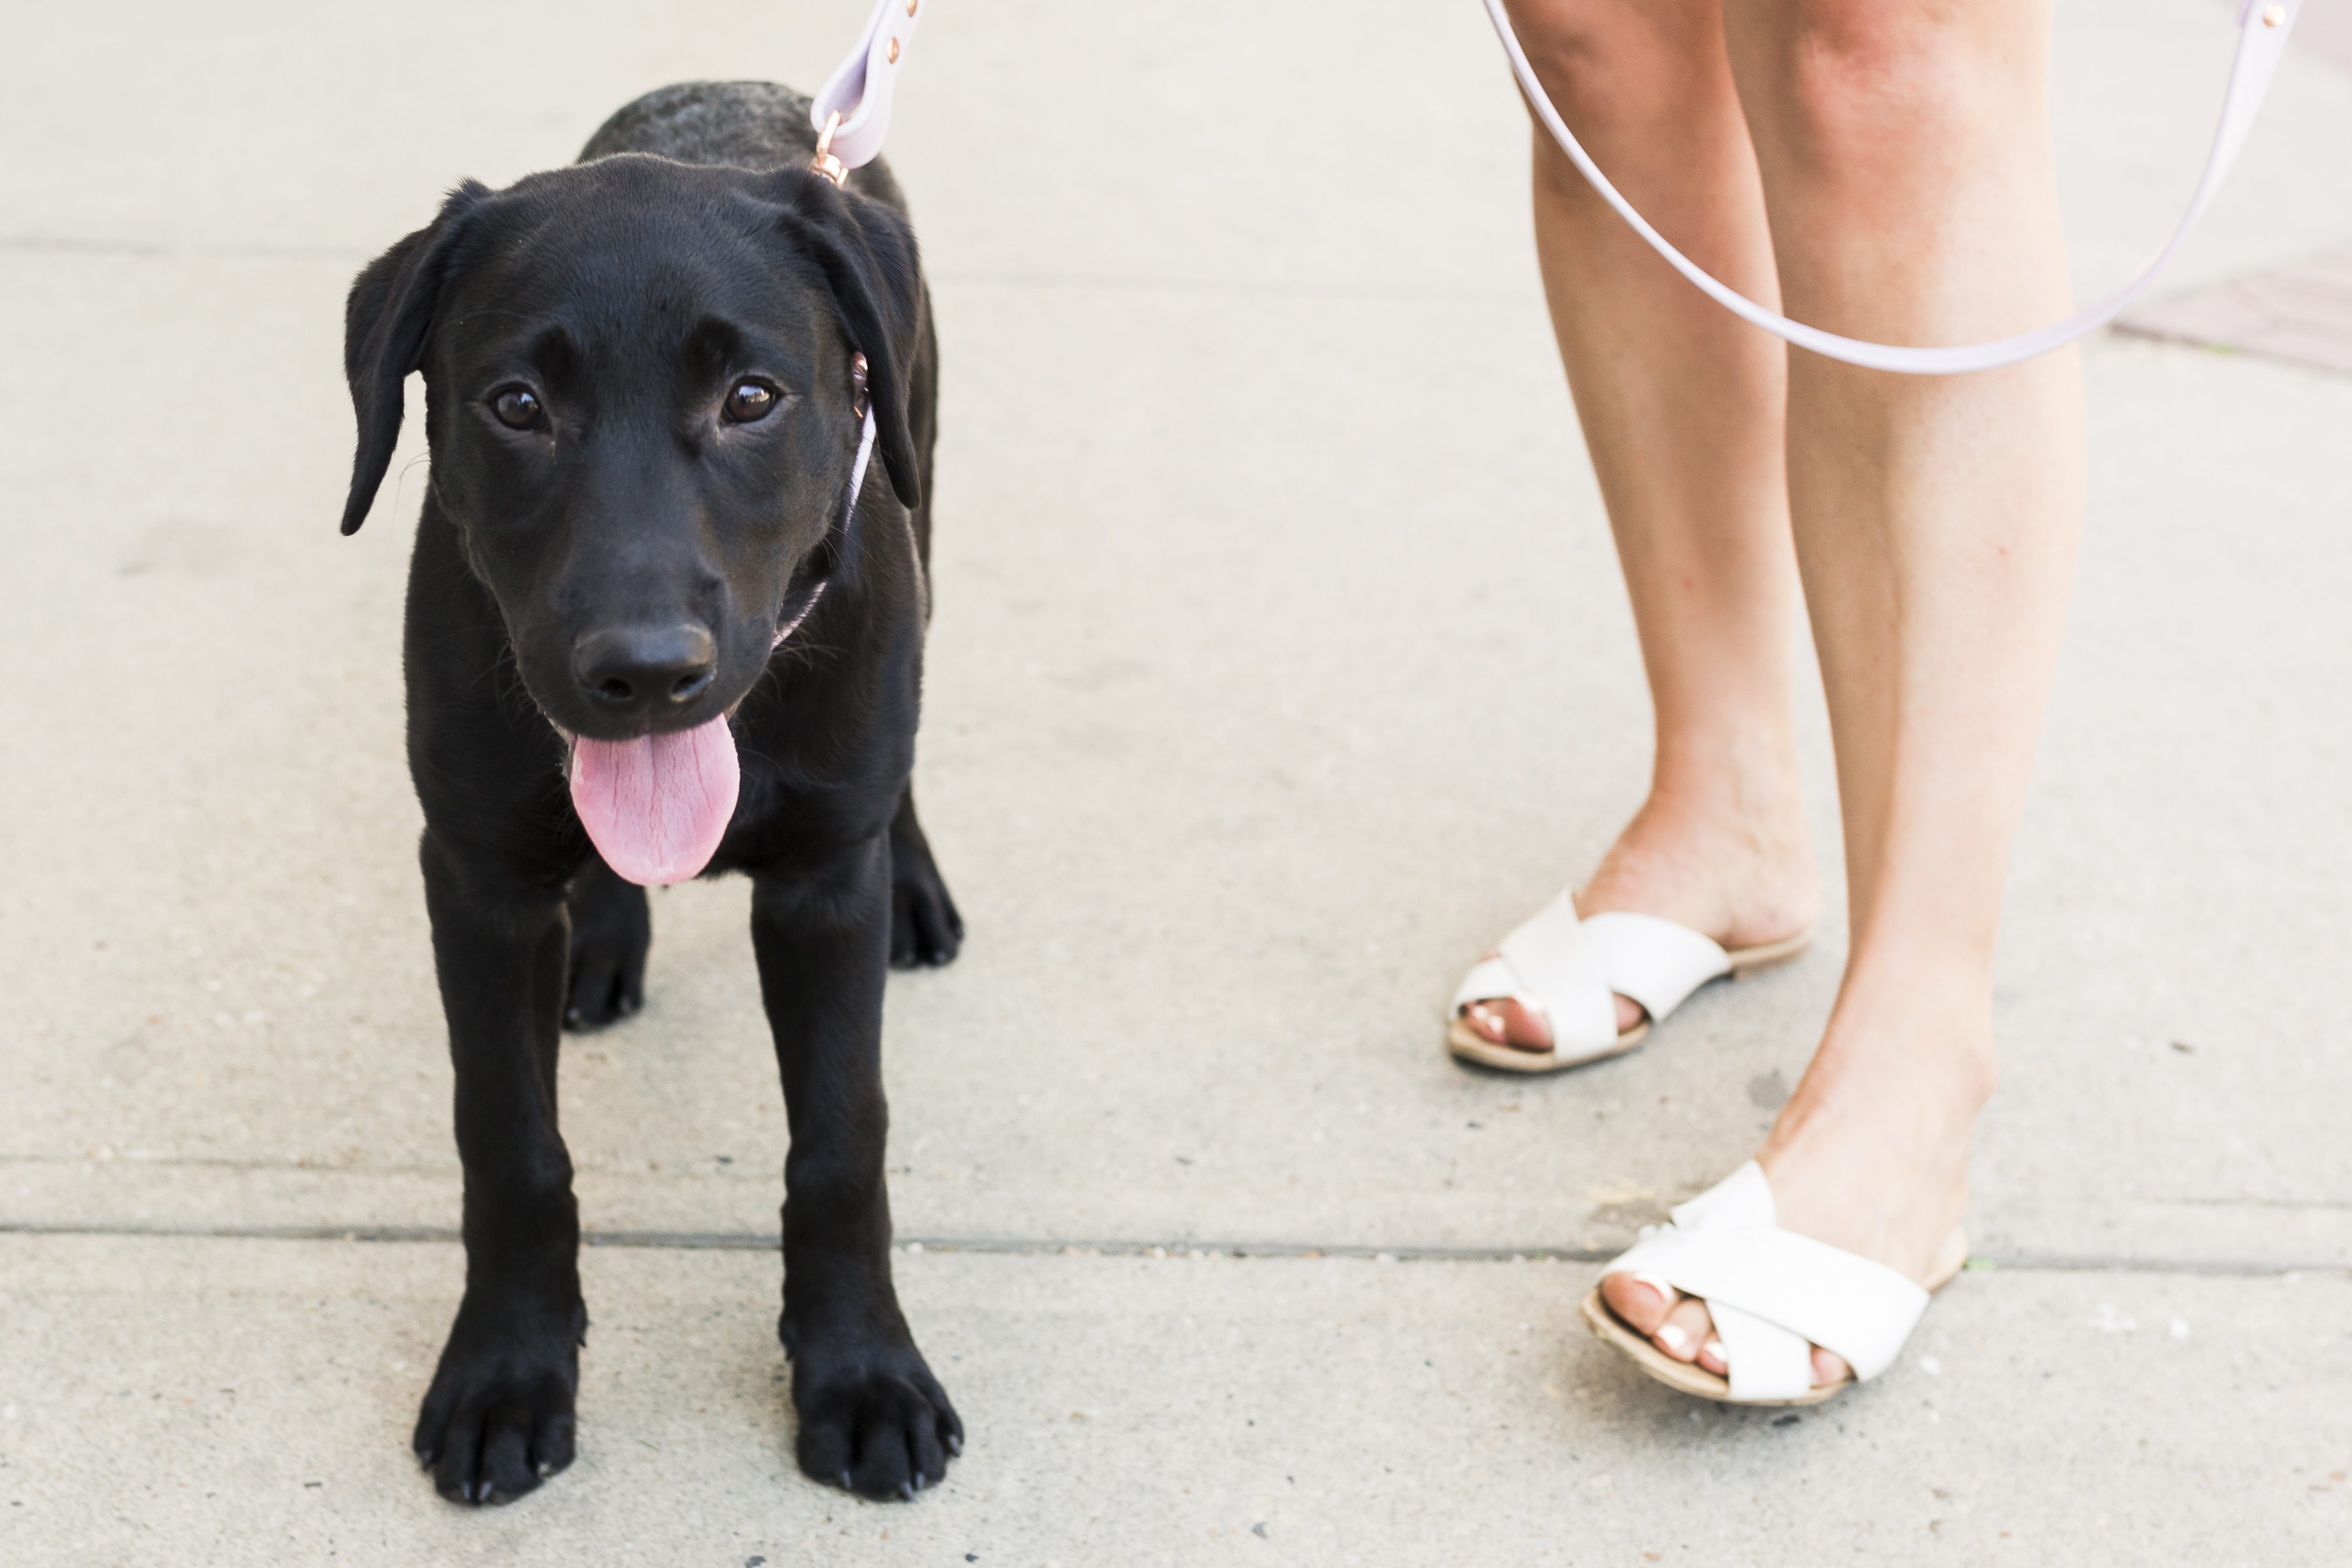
(1906,156)
(1681,407)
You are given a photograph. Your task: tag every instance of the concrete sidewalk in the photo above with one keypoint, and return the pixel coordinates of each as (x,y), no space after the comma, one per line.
(1259,492)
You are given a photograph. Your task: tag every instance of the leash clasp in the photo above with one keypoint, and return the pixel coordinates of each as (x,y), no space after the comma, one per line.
(824,164)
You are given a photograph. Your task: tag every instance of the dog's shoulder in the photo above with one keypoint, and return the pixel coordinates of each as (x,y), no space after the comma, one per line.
(755,123)
(751,124)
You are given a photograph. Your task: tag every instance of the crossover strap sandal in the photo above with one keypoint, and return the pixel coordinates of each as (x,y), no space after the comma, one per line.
(1772,1294)
(1571,971)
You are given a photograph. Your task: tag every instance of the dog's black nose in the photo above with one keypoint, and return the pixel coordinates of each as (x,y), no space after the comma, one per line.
(634,671)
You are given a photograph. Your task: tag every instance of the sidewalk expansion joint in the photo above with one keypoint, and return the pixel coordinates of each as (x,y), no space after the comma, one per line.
(1038,1246)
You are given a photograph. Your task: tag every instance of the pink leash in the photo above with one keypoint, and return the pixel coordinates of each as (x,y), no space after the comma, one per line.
(851,116)
(2263,30)
(852,111)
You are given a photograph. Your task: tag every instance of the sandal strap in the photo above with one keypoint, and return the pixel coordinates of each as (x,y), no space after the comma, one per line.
(1655,962)
(1767,1360)
(1548,964)
(1491,979)
(1571,970)
(1773,1293)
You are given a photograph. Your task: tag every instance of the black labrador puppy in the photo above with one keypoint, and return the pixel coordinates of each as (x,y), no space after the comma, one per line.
(655,630)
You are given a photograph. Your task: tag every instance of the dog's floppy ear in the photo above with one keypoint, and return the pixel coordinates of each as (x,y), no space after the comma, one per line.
(867,253)
(385,324)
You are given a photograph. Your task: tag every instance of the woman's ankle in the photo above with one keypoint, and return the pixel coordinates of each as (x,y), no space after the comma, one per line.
(1871,1153)
(1925,1015)
(1887,1094)
(1742,875)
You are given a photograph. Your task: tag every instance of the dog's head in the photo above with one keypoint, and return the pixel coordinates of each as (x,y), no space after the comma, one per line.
(642,405)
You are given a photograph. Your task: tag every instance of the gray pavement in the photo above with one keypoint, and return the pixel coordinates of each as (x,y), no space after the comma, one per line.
(1259,492)
(2301,313)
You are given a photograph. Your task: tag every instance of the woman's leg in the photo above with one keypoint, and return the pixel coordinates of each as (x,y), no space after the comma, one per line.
(1906,156)
(1681,410)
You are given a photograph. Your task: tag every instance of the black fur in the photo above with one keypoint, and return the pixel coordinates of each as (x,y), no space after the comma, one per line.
(688,249)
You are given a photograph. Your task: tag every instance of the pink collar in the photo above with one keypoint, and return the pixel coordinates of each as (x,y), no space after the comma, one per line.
(848,510)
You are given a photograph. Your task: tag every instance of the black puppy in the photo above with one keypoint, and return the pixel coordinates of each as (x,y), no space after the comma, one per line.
(646,610)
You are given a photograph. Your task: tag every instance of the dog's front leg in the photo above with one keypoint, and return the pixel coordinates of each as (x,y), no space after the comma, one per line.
(873,1419)
(498,1415)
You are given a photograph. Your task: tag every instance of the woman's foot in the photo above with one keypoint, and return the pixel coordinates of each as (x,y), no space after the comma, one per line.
(1870,1155)
(1741,875)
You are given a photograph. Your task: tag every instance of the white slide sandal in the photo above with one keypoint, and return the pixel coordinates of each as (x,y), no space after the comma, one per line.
(1772,1294)
(1572,971)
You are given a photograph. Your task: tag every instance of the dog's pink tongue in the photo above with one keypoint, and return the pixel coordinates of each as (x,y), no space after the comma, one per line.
(656,807)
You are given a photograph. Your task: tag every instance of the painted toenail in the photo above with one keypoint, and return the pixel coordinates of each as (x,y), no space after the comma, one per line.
(1658,1283)
(1671,1337)
(1713,1348)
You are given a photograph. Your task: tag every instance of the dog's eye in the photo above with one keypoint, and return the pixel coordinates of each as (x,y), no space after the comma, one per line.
(517,408)
(750,401)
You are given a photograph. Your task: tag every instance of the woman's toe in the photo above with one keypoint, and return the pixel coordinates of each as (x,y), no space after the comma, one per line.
(1687,1330)
(1507,1021)
(1829,1368)
(1642,1303)
(1503,1022)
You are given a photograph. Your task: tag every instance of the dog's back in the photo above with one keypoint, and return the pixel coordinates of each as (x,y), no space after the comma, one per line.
(756,124)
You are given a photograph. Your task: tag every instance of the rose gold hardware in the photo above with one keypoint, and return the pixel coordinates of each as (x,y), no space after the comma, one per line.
(2273,15)
(894,51)
(825,163)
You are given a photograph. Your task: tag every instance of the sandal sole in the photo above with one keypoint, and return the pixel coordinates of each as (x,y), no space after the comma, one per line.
(1467,1045)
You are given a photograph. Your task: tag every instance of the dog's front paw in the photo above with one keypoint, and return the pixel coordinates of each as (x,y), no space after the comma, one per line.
(498,1417)
(873,1421)
(610,931)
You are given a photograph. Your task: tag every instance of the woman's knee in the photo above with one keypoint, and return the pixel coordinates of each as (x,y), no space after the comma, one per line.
(1611,64)
(1852,83)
